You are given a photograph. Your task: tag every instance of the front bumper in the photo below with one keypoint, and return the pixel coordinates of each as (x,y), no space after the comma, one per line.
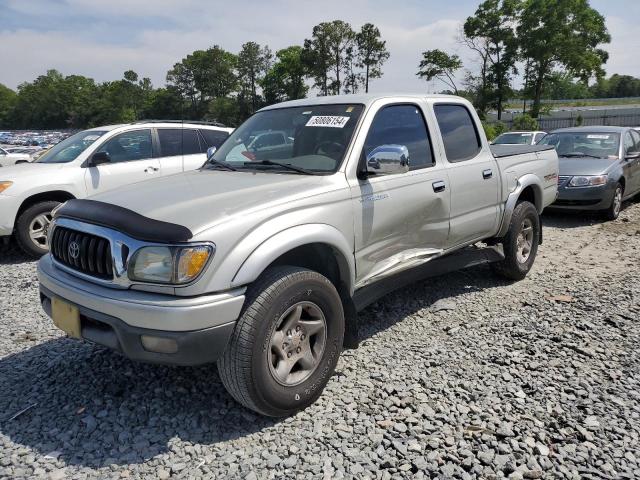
(584,198)
(199,327)
(8,209)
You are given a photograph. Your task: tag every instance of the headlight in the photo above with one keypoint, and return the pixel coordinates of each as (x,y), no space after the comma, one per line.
(169,265)
(588,181)
(4,186)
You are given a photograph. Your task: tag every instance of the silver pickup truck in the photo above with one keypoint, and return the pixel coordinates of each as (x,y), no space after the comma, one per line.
(261,259)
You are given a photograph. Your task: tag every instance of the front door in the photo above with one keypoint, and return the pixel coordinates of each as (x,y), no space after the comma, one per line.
(473,174)
(633,164)
(401,220)
(131,161)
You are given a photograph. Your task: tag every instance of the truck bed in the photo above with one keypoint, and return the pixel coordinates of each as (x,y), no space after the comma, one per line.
(500,151)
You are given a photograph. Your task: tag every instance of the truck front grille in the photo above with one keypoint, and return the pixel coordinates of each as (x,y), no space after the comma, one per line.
(86,253)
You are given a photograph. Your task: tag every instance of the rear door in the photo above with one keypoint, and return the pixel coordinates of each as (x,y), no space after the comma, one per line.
(180,149)
(400,219)
(132,161)
(473,175)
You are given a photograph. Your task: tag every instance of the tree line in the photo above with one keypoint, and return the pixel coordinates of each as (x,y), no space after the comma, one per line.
(213,84)
(550,43)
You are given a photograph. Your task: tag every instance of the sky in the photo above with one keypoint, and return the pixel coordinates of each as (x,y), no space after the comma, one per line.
(103,38)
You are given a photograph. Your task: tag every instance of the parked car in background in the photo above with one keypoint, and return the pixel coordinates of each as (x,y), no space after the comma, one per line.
(8,157)
(518,138)
(599,167)
(261,262)
(94,161)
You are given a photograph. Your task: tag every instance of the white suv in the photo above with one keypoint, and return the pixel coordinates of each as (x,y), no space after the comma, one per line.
(94,161)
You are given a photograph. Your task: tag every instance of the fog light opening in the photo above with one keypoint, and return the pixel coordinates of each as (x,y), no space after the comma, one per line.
(159,344)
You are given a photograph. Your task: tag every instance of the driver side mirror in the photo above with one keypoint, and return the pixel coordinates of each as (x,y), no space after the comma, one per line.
(388,160)
(99,158)
(210,152)
(632,155)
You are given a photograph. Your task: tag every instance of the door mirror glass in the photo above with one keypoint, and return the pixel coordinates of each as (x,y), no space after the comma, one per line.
(99,158)
(210,152)
(387,160)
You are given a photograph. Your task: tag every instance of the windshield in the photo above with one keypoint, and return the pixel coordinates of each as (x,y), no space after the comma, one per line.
(69,149)
(514,139)
(587,144)
(312,138)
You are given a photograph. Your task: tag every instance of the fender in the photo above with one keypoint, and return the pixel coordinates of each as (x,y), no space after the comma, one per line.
(287,240)
(528,180)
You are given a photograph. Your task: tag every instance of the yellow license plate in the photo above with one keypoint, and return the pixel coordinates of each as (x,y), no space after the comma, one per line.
(66,317)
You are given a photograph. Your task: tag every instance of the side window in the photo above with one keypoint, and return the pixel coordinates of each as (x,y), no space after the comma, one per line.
(459,134)
(129,146)
(170,141)
(401,125)
(213,138)
(539,136)
(629,144)
(190,145)
(636,140)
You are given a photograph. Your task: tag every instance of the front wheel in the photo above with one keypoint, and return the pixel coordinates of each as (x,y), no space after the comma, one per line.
(616,204)
(286,343)
(32,228)
(520,244)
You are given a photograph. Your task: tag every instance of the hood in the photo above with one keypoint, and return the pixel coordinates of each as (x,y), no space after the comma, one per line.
(585,165)
(203,198)
(28,170)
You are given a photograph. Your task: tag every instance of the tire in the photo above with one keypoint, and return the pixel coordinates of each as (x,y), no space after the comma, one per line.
(520,248)
(615,208)
(250,367)
(35,219)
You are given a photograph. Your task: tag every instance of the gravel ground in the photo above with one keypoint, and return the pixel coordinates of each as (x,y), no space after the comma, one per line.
(463,376)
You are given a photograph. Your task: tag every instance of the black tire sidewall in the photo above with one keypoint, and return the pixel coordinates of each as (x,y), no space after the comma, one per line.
(611,213)
(22,227)
(278,399)
(524,210)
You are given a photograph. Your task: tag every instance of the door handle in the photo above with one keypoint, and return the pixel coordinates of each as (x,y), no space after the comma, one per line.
(487,174)
(439,186)
(151,169)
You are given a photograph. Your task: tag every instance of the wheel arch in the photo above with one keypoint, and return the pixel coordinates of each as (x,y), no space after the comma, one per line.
(528,188)
(51,196)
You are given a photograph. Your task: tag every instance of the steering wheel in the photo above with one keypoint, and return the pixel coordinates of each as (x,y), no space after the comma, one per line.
(334,147)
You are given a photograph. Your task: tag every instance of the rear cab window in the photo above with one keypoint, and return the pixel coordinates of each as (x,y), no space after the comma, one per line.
(459,132)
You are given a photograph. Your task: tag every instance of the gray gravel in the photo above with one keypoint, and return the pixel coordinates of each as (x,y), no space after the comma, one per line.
(536,379)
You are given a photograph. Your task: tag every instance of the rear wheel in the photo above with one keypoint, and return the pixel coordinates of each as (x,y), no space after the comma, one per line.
(286,343)
(520,244)
(32,228)
(616,203)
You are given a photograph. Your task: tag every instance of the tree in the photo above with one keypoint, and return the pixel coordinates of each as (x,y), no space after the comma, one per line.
(253,63)
(490,32)
(561,33)
(371,52)
(203,75)
(285,80)
(326,54)
(8,99)
(440,65)
(353,80)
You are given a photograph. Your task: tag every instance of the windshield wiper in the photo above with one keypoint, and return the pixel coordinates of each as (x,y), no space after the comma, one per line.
(576,155)
(288,166)
(218,163)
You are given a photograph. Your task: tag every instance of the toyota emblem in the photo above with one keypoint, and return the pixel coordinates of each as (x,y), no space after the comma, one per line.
(74,250)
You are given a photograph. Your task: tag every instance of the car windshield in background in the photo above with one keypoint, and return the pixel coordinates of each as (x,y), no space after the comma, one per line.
(311,138)
(584,144)
(69,149)
(514,139)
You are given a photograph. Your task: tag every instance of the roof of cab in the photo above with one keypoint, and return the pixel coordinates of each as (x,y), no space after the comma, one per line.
(365,99)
